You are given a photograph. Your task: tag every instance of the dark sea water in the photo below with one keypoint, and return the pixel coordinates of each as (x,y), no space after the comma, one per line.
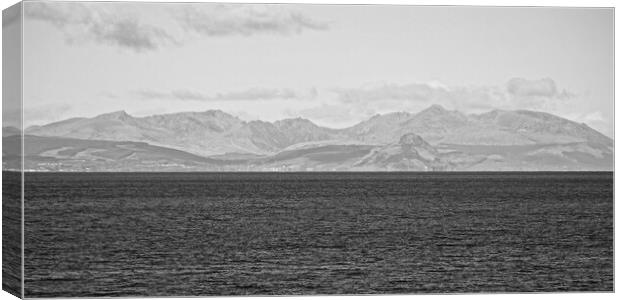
(129,234)
(11,232)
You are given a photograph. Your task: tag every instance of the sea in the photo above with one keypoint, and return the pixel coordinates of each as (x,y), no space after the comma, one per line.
(199,234)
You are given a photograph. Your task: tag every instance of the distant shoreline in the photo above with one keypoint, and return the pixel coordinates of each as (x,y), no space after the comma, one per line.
(312,172)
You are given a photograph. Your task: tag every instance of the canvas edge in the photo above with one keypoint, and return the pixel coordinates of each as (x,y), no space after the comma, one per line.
(12,187)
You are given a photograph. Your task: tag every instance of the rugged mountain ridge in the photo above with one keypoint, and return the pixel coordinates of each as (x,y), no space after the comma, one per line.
(498,127)
(206,133)
(215,132)
(432,139)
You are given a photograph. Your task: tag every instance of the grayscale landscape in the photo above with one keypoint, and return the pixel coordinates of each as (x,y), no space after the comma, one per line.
(212,149)
(434,139)
(284,87)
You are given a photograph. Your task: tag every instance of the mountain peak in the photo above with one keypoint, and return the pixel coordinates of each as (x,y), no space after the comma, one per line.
(214,112)
(397,115)
(412,139)
(120,115)
(435,108)
(400,114)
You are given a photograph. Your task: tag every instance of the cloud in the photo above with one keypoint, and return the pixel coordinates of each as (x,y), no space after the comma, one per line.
(121,26)
(257,94)
(128,33)
(341,107)
(245,20)
(251,94)
(407,92)
(544,87)
(58,14)
(517,94)
(82,23)
(415,96)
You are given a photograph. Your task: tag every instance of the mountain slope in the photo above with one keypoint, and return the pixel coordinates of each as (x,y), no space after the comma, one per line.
(410,153)
(204,133)
(57,154)
(540,127)
(300,130)
(218,134)
(10,130)
(582,156)
(440,126)
(413,153)
(379,129)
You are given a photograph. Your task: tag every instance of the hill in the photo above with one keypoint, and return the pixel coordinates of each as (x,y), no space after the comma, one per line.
(432,139)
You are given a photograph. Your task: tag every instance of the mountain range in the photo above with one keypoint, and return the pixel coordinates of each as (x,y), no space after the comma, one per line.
(432,139)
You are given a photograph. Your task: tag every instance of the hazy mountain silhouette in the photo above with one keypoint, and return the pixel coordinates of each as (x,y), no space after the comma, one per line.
(440,126)
(56,153)
(204,133)
(432,139)
(10,130)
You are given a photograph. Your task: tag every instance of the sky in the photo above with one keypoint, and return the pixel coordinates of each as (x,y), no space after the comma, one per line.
(333,64)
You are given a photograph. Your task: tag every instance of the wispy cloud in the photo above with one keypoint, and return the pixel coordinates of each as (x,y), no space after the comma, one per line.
(339,104)
(113,25)
(245,20)
(518,93)
(128,33)
(247,95)
(545,87)
(83,23)
(58,14)
(415,96)
(407,92)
